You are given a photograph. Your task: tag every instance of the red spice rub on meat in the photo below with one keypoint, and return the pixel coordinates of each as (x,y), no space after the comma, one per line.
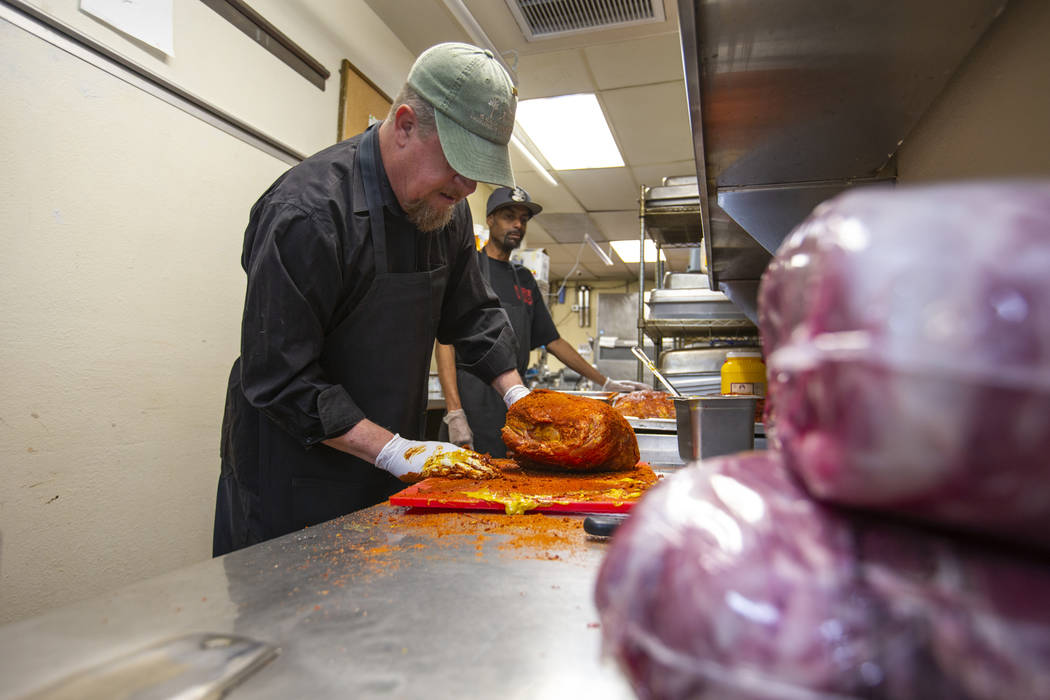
(553,430)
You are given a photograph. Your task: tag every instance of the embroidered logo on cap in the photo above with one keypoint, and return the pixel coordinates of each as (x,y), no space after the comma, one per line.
(518,195)
(496,120)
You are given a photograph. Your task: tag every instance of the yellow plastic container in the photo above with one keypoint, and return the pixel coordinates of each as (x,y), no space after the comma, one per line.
(744,374)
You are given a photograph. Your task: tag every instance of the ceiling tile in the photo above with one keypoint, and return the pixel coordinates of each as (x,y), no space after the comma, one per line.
(567,273)
(653,175)
(653,59)
(536,236)
(602,189)
(553,198)
(553,73)
(651,123)
(563,258)
(569,228)
(617,225)
(596,269)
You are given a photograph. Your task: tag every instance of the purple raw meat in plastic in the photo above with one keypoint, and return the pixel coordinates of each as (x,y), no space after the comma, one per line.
(907,340)
(728,581)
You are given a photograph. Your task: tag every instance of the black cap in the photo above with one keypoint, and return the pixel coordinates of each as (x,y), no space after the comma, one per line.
(509,196)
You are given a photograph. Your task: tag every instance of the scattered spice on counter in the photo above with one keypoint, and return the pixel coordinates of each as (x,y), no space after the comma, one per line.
(401,533)
(534,536)
(379,541)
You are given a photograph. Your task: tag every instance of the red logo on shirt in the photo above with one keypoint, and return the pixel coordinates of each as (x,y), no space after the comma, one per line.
(524,294)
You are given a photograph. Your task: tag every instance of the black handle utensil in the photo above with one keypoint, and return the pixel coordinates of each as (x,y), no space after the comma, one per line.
(602,525)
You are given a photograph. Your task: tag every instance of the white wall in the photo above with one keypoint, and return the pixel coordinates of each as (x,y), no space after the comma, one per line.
(568,321)
(121,220)
(993,118)
(218,63)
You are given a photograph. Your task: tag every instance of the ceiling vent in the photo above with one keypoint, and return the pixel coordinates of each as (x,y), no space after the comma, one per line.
(544,19)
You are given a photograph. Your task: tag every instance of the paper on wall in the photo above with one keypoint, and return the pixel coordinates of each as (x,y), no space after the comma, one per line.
(149,21)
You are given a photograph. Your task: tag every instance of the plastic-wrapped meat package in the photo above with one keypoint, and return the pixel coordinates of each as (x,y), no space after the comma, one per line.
(907,339)
(729,582)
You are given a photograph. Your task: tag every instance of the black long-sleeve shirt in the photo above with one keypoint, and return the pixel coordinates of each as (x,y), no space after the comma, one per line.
(310,260)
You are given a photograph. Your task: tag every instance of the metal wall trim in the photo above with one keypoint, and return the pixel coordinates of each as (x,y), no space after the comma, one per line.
(75,43)
(255,26)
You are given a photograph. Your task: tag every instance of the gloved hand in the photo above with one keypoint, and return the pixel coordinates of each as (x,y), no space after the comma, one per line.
(415,460)
(624,385)
(459,432)
(514,393)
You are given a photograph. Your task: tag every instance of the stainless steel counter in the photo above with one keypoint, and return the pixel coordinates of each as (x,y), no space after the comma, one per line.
(368,605)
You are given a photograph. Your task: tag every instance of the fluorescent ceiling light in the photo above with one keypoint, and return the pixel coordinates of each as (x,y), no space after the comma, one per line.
(628,251)
(532,159)
(570,131)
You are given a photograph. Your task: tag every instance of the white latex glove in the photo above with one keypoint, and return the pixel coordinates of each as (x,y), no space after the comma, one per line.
(415,460)
(514,393)
(459,432)
(624,386)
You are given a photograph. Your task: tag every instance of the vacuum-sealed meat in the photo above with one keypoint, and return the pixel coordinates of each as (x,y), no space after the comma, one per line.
(554,430)
(907,334)
(647,403)
(728,581)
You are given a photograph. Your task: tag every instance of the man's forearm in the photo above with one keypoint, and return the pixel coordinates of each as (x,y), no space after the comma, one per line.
(506,380)
(445,355)
(561,349)
(364,440)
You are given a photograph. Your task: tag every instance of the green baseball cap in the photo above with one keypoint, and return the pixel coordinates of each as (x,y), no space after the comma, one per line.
(474,103)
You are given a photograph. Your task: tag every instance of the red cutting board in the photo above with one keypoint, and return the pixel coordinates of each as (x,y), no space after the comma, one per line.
(414,498)
(451,494)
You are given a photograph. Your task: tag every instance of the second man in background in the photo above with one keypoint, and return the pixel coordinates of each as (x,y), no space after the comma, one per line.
(475,413)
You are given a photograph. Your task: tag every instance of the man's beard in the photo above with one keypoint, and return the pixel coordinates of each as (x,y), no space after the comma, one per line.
(427,218)
(509,246)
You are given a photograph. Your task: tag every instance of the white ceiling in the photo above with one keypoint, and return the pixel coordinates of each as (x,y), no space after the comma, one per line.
(636,72)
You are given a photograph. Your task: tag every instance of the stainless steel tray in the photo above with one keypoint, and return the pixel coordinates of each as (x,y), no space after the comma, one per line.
(655,425)
(697,384)
(659,450)
(693,360)
(686,280)
(692,304)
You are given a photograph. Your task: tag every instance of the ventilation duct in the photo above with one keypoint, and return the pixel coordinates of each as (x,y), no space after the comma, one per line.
(543,19)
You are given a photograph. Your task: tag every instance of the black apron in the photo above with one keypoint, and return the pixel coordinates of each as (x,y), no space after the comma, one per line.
(484,407)
(270,484)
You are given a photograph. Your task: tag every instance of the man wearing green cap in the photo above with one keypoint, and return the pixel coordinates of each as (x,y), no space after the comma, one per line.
(357,259)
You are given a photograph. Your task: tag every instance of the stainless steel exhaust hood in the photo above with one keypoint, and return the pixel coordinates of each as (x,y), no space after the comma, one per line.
(792,101)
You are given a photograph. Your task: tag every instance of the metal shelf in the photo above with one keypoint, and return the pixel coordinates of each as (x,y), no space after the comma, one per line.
(700,329)
(671,216)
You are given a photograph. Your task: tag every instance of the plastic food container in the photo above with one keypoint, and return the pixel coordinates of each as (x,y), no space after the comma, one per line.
(744,374)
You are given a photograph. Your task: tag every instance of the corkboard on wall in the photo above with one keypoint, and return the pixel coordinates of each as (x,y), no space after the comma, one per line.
(359,101)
